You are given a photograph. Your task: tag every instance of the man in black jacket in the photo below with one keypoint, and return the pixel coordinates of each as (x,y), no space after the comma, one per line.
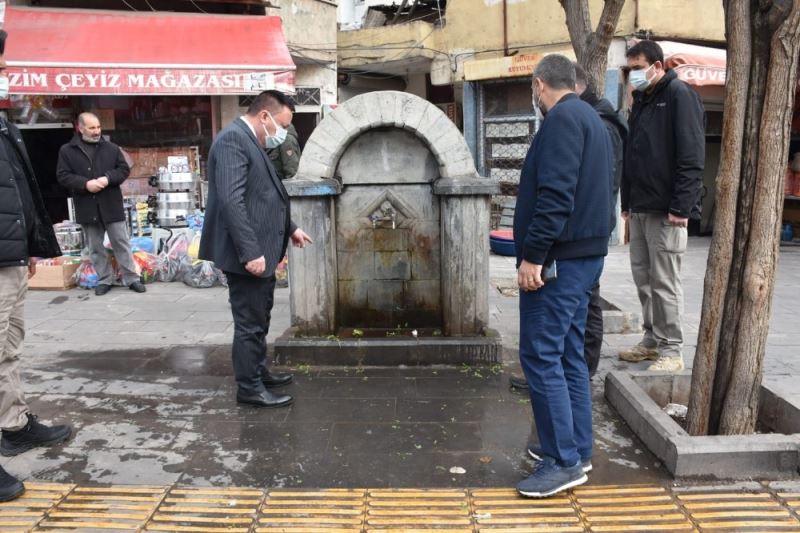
(25,233)
(661,184)
(93,169)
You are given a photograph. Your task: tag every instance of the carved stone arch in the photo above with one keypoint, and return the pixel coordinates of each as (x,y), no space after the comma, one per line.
(396,109)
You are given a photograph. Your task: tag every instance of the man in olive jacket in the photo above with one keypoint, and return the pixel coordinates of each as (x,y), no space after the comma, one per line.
(25,233)
(93,169)
(286,157)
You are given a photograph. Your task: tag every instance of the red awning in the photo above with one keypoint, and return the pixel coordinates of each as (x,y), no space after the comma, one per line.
(696,65)
(76,51)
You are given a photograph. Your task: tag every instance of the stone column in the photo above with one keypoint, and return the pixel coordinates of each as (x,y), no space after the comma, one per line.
(465,253)
(312,270)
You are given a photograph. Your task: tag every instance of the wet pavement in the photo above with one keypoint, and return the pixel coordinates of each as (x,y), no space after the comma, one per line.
(146,381)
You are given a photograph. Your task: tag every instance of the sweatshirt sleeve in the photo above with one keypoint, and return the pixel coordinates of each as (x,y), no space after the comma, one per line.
(560,152)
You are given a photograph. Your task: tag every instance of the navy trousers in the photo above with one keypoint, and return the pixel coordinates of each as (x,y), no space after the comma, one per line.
(552,327)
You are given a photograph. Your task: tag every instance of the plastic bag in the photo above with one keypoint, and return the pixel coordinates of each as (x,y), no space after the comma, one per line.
(146,264)
(223,280)
(201,276)
(142,244)
(194,248)
(174,262)
(86,276)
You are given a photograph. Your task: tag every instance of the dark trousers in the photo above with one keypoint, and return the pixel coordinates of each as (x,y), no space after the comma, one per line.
(594,332)
(251,301)
(552,326)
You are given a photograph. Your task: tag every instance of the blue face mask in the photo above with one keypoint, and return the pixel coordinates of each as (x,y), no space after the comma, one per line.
(638,79)
(273,141)
(3,87)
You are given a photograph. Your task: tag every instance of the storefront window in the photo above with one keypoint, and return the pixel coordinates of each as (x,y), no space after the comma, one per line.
(507,125)
(503,99)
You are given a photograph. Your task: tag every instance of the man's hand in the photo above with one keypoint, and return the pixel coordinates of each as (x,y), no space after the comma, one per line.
(103,181)
(681,222)
(300,238)
(94,186)
(31,268)
(625,216)
(529,276)
(257,266)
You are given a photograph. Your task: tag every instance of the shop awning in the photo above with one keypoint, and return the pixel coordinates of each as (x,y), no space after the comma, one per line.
(696,65)
(84,52)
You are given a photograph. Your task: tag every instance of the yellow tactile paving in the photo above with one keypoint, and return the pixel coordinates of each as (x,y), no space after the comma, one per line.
(446,511)
(323,511)
(731,510)
(630,508)
(502,510)
(62,508)
(232,510)
(99,509)
(26,512)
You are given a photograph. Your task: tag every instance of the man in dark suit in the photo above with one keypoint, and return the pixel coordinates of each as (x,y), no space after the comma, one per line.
(247,228)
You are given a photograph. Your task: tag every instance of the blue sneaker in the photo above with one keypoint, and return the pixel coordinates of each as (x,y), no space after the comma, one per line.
(537,455)
(548,479)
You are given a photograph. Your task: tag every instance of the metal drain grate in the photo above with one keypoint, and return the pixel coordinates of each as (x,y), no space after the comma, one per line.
(503,511)
(103,509)
(729,510)
(212,510)
(414,510)
(26,512)
(326,511)
(632,508)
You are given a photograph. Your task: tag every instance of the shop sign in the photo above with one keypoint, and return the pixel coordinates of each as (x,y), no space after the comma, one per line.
(515,66)
(52,80)
(701,75)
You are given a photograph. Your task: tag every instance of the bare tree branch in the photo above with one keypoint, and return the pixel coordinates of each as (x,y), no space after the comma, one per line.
(591,47)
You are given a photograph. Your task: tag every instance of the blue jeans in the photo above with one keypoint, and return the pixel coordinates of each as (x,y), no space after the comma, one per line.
(552,326)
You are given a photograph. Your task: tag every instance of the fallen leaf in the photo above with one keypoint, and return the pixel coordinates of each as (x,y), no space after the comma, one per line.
(485,459)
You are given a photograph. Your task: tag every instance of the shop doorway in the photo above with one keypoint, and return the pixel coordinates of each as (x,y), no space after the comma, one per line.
(43,145)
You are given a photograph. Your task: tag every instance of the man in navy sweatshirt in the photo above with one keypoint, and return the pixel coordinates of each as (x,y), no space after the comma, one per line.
(561,228)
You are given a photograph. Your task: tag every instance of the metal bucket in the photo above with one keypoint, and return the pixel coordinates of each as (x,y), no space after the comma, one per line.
(173,208)
(175,181)
(70,239)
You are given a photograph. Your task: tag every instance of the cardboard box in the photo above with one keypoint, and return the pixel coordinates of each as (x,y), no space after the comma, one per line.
(55,277)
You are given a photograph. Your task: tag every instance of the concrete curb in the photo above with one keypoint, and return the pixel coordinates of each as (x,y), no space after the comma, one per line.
(761,456)
(292,350)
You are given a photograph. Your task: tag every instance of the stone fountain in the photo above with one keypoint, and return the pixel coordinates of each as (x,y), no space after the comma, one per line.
(399,269)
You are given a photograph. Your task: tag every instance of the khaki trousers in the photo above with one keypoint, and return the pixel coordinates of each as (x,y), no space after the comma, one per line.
(656,251)
(13,286)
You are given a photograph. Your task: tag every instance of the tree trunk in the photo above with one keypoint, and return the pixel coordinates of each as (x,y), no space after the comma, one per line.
(591,47)
(731,343)
(738,36)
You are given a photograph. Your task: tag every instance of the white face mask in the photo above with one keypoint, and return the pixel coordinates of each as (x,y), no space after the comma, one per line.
(4,87)
(537,106)
(273,141)
(638,79)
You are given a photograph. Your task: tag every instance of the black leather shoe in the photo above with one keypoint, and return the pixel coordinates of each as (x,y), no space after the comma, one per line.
(137,286)
(518,382)
(100,290)
(33,435)
(265,399)
(10,487)
(271,380)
